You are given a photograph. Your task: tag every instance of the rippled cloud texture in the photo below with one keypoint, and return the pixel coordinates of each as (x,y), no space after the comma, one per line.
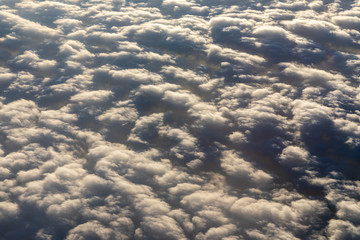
(179,119)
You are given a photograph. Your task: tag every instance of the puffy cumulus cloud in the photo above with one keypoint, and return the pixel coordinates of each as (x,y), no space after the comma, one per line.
(236,167)
(256,210)
(110,76)
(223,232)
(339,229)
(184,6)
(21,113)
(292,5)
(75,50)
(123,113)
(134,55)
(93,230)
(9,210)
(166,35)
(186,145)
(186,75)
(294,156)
(146,128)
(218,54)
(321,31)
(179,119)
(91,97)
(6,77)
(314,77)
(347,21)
(32,60)
(24,28)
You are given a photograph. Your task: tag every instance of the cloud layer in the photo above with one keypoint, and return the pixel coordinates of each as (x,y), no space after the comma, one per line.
(179,119)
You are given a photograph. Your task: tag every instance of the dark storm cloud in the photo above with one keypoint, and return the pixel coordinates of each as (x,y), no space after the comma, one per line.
(179,119)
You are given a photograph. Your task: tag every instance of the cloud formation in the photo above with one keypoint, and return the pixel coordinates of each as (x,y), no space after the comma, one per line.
(179,119)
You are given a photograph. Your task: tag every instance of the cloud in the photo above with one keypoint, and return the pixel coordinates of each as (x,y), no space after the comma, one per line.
(32,60)
(320,31)
(293,155)
(28,29)
(6,77)
(339,229)
(179,119)
(8,210)
(347,21)
(238,168)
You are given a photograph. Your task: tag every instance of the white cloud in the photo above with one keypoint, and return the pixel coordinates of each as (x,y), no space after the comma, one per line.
(293,155)
(29,29)
(179,119)
(32,60)
(237,167)
(339,229)
(320,31)
(347,21)
(6,76)
(8,211)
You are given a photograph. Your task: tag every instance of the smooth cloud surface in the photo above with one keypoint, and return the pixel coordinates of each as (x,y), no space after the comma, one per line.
(179,119)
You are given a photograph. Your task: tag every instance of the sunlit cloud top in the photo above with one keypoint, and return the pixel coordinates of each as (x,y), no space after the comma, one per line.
(179,119)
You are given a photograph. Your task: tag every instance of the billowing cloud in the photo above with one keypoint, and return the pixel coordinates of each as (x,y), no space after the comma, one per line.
(179,119)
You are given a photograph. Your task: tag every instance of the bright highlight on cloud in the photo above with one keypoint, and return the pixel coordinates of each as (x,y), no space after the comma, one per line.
(179,119)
